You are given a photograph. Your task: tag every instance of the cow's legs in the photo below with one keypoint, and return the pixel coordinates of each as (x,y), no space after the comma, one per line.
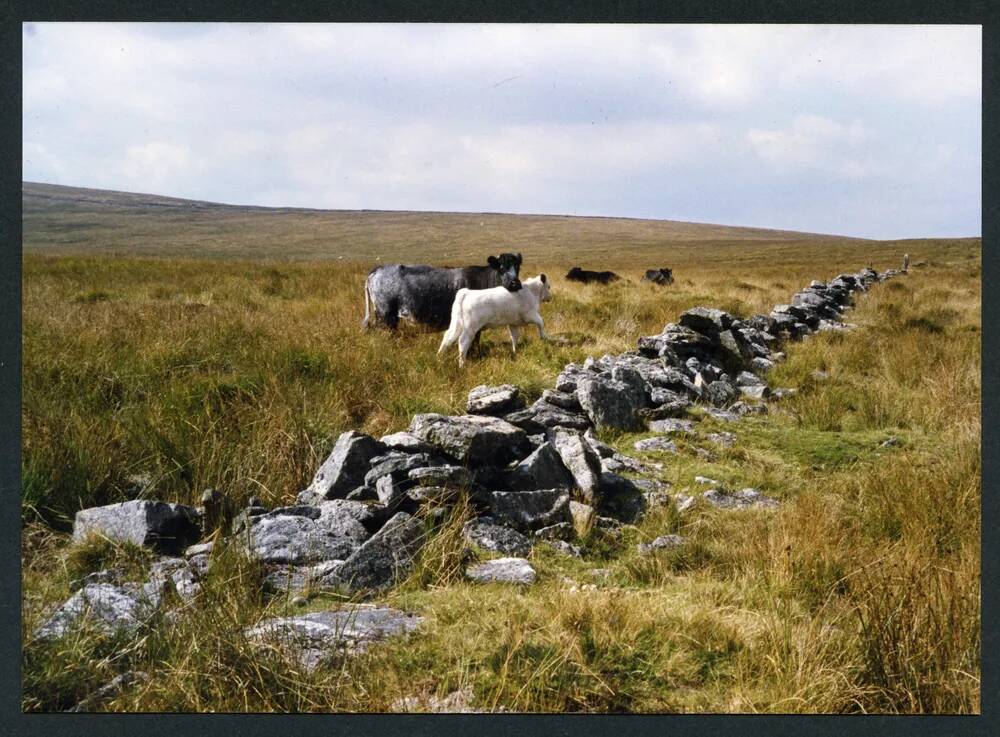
(463,346)
(537,320)
(515,333)
(477,346)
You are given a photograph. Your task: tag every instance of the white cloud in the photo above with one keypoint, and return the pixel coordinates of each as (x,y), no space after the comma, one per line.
(696,122)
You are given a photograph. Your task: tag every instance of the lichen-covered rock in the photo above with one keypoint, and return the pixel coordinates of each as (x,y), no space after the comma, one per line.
(664,542)
(530,510)
(406,443)
(168,528)
(673,426)
(656,445)
(582,462)
(107,607)
(720,393)
(562,400)
(487,535)
(706,320)
(494,400)
(543,469)
(309,639)
(294,579)
(344,469)
(472,439)
(448,476)
(609,403)
(743,499)
(297,539)
(502,570)
(385,557)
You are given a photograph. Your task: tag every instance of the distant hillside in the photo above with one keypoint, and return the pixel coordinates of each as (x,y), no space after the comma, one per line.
(73,219)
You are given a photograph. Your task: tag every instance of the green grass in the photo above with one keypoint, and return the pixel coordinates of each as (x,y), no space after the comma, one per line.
(860,593)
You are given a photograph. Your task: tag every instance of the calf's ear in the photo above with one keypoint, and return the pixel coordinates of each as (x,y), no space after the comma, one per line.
(518,258)
(492,261)
(543,279)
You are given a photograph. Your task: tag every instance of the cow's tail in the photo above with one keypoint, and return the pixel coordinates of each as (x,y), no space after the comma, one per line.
(366,323)
(455,327)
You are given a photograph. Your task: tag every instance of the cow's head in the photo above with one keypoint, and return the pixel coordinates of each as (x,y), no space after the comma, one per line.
(509,266)
(546,295)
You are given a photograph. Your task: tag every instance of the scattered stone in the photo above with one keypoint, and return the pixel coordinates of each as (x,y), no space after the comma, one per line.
(457,702)
(664,542)
(558,531)
(683,502)
(819,375)
(293,579)
(502,570)
(673,426)
(661,445)
(494,400)
(168,528)
(725,439)
(722,415)
(109,690)
(496,538)
(565,548)
(743,499)
(782,393)
(707,481)
(309,639)
(891,442)
(218,511)
(108,607)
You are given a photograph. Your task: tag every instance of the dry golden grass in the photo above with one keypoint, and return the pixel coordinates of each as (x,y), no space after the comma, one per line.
(859,594)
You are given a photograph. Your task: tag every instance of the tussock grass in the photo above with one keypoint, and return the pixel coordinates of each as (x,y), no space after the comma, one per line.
(859,594)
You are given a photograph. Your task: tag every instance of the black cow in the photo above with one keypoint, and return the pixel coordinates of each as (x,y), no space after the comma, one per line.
(589,277)
(659,276)
(425,294)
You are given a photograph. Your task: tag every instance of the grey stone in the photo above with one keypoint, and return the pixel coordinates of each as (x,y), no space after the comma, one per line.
(200,549)
(706,320)
(562,400)
(602,449)
(309,639)
(496,538)
(398,465)
(472,439)
(297,540)
(720,393)
(581,460)
(332,514)
(457,702)
(390,493)
(406,443)
(565,548)
(673,426)
(745,378)
(721,415)
(166,527)
(609,403)
(664,542)
(433,494)
(543,469)
(530,510)
(293,579)
(454,476)
(725,439)
(705,480)
(386,556)
(176,573)
(494,400)
(546,415)
(743,499)
(345,468)
(621,498)
(108,690)
(660,445)
(361,494)
(502,570)
(683,502)
(558,531)
(755,392)
(107,607)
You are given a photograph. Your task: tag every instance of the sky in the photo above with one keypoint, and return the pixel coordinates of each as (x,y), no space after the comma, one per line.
(869,131)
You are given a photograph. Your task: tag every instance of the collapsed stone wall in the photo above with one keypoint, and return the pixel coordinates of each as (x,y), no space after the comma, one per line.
(534,474)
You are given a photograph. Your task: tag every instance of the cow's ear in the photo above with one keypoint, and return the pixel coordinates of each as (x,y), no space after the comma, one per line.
(519,258)
(543,279)
(492,261)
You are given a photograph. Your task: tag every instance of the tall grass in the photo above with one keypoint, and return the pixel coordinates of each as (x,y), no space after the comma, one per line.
(859,594)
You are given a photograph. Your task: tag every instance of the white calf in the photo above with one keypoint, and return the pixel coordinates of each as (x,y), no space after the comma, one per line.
(476,309)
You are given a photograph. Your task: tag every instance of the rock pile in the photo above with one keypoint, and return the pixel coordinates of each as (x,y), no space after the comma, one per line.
(535,474)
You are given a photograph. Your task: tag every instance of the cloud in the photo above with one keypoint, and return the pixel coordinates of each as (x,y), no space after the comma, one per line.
(711,123)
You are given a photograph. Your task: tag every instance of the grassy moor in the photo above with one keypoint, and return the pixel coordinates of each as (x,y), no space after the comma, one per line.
(172,346)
